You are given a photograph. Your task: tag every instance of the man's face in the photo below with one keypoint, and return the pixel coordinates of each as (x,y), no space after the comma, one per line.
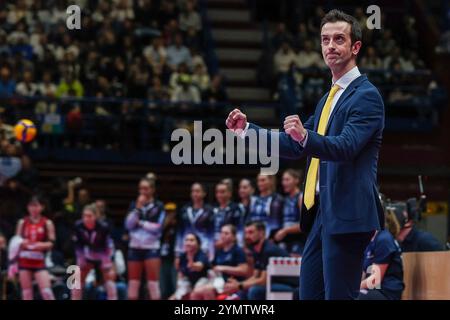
(337,48)
(226,235)
(252,236)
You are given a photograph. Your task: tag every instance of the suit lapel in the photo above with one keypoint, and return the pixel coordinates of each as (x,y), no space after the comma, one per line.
(347,93)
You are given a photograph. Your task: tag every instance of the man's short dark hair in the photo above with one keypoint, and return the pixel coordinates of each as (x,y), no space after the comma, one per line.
(259,225)
(338,15)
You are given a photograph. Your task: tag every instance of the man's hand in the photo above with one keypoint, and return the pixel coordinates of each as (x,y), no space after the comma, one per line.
(280,235)
(294,127)
(231,286)
(236,121)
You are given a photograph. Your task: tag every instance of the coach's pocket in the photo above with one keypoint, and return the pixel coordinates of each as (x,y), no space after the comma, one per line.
(351,200)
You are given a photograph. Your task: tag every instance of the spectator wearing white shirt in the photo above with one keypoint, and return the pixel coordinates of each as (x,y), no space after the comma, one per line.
(178,53)
(27,87)
(284,58)
(309,58)
(156,54)
(47,88)
(185,92)
(371,60)
(123,11)
(200,78)
(190,18)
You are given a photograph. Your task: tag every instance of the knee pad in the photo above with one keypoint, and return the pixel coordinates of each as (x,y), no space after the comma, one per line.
(47,294)
(154,290)
(111,290)
(133,289)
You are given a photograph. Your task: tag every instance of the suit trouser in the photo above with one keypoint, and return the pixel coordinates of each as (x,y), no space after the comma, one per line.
(332,264)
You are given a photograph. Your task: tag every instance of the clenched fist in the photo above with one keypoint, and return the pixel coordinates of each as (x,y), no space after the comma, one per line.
(294,127)
(236,121)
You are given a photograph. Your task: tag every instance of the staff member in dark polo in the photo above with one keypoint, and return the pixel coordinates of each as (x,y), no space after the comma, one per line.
(341,208)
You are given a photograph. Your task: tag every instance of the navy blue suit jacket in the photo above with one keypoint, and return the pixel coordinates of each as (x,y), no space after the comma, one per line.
(348,154)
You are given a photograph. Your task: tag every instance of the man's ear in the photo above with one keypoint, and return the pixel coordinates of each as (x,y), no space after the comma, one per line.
(356,47)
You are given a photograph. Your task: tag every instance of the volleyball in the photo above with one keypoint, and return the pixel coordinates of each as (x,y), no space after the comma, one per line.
(25,130)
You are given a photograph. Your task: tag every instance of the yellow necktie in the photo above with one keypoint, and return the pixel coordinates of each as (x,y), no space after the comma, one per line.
(311,177)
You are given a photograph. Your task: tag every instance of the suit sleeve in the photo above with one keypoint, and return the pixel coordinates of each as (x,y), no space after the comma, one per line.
(364,121)
(288,147)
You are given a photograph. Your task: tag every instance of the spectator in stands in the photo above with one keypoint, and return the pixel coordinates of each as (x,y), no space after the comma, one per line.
(314,22)
(196,217)
(301,37)
(289,236)
(395,57)
(178,53)
(139,78)
(308,58)
(246,197)
(176,75)
(226,212)
(386,44)
(216,92)
(168,12)
(200,78)
(229,262)
(281,36)
(383,265)
(46,87)
(6,132)
(268,206)
(78,196)
(156,54)
(122,10)
(197,58)
(284,58)
(158,92)
(192,40)
(27,87)
(7,84)
(254,287)
(69,86)
(5,50)
(371,60)
(189,18)
(185,92)
(192,266)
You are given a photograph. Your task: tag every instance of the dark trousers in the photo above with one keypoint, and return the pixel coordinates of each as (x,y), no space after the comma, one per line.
(331,266)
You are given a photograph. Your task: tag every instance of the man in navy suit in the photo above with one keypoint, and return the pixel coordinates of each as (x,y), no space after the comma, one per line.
(341,208)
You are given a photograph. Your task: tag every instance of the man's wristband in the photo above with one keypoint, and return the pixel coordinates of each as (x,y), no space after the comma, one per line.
(241,286)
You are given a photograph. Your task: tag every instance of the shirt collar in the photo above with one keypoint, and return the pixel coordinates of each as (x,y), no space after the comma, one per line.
(344,81)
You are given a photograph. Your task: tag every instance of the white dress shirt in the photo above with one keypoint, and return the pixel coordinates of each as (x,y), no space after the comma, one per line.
(343,82)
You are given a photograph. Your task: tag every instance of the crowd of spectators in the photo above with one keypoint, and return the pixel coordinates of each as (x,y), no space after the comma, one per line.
(389,56)
(152,50)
